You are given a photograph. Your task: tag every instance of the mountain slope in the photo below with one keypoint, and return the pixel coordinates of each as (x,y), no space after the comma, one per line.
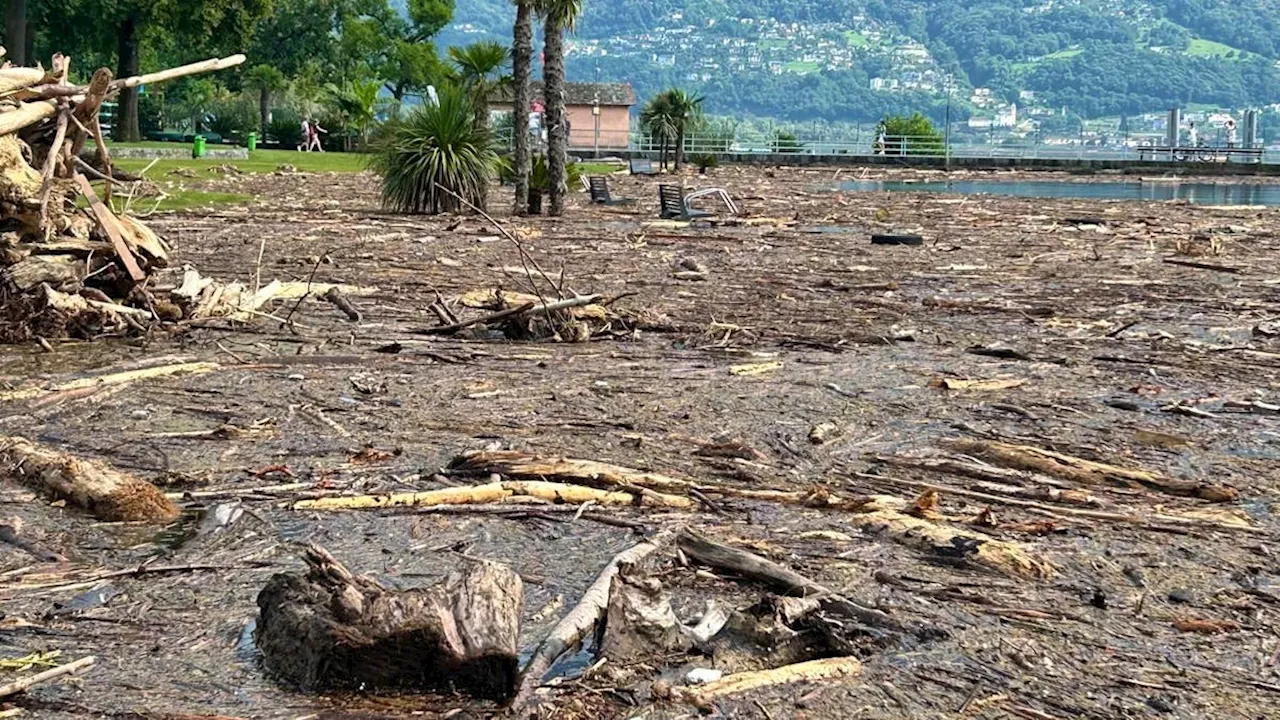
(856,59)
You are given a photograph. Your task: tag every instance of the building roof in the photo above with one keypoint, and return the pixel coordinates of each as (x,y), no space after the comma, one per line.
(619,94)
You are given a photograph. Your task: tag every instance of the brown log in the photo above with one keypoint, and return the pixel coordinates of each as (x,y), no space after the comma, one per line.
(19,78)
(197,68)
(56,271)
(332,630)
(86,110)
(639,622)
(26,114)
(1087,472)
(783,579)
(95,486)
(943,541)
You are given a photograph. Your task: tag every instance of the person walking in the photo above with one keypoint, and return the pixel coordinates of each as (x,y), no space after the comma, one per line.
(1230,126)
(313,142)
(1193,135)
(304,142)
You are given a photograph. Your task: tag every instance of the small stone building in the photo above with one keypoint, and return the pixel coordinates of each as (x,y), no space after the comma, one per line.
(609,129)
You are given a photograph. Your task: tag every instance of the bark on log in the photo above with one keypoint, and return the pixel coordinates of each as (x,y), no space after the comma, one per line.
(56,271)
(574,627)
(1087,472)
(94,486)
(331,630)
(497,492)
(640,623)
(1006,557)
(752,566)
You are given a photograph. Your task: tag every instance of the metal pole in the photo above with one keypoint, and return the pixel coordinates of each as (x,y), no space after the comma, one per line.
(946,142)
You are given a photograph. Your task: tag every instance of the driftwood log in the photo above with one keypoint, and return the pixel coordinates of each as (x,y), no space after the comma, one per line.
(328,629)
(107,493)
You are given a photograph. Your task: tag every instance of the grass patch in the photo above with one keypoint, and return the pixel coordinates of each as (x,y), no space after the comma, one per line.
(187,199)
(773,43)
(1200,47)
(260,161)
(595,168)
(800,66)
(855,39)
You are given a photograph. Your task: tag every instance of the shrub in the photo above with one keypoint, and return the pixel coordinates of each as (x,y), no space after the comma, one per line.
(233,117)
(704,161)
(285,128)
(911,135)
(786,142)
(435,145)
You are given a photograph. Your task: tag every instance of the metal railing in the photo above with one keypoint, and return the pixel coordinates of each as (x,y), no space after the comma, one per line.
(868,144)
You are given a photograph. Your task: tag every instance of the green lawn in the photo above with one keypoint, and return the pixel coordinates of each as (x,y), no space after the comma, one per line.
(799,66)
(855,38)
(260,161)
(1207,48)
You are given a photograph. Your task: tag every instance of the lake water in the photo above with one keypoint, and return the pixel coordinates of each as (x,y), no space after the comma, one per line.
(1195,193)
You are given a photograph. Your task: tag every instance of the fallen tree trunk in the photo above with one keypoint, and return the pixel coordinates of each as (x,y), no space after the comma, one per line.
(94,486)
(1088,472)
(332,630)
(1006,557)
(783,579)
(497,492)
(589,472)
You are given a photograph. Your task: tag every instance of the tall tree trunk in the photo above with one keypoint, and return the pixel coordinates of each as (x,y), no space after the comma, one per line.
(264,109)
(679,148)
(557,143)
(15,32)
(521,69)
(126,122)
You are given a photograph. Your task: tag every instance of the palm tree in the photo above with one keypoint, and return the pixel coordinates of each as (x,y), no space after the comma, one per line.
(686,114)
(521,69)
(656,119)
(558,16)
(436,146)
(357,105)
(479,67)
(266,80)
(668,117)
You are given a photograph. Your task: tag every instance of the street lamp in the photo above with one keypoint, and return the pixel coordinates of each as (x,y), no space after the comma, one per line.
(595,116)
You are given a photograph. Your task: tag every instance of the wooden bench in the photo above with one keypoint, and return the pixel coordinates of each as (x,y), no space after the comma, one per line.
(642,166)
(1201,153)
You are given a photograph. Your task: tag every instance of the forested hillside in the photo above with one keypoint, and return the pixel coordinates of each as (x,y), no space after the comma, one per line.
(855,59)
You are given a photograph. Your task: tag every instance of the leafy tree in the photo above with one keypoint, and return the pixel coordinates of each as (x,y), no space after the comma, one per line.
(266,80)
(558,17)
(911,134)
(479,69)
(356,103)
(377,39)
(521,70)
(436,146)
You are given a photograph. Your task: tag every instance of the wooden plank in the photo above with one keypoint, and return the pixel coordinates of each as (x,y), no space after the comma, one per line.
(112,227)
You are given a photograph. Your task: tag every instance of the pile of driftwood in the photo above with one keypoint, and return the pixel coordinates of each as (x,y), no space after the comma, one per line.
(70,266)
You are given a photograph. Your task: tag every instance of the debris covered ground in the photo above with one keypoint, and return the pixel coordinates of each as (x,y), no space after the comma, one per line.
(1044,442)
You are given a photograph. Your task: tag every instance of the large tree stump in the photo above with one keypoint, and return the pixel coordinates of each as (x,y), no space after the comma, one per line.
(331,630)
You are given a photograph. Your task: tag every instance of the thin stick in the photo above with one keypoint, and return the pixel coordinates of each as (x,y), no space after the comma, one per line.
(18,686)
(50,167)
(524,255)
(580,621)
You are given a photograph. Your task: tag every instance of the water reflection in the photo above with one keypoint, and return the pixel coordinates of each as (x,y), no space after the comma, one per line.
(1195,193)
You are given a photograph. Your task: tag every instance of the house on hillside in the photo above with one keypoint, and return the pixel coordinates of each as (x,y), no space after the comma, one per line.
(599,113)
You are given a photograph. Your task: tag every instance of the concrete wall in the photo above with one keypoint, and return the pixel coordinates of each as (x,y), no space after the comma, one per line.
(1136,167)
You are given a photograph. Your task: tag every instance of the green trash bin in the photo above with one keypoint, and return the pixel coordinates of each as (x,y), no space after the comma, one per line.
(197,147)
(251,141)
